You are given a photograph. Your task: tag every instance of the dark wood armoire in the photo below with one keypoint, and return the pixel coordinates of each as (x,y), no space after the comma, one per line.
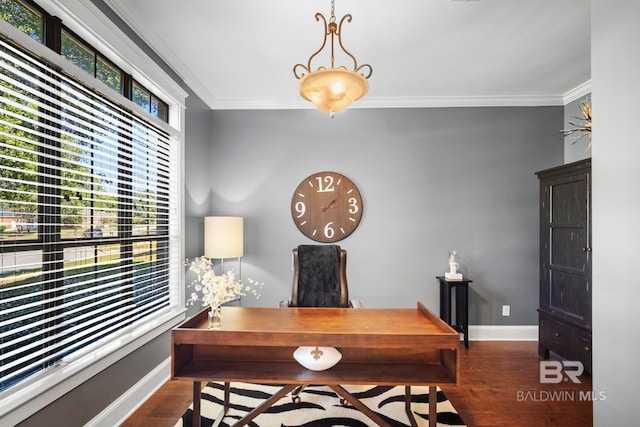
(565,262)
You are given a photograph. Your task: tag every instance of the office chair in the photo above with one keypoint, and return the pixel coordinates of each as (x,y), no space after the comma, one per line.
(319,280)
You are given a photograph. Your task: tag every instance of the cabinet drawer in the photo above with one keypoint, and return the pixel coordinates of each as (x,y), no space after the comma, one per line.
(581,347)
(555,335)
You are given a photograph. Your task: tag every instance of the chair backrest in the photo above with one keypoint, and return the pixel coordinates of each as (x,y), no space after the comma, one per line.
(319,276)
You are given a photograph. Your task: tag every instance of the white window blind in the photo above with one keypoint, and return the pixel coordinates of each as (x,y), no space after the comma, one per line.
(88,218)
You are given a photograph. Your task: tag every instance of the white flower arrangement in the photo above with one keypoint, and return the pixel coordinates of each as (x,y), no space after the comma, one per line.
(584,126)
(218,289)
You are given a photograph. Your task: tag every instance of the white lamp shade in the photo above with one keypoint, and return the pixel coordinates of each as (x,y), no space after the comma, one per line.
(223,237)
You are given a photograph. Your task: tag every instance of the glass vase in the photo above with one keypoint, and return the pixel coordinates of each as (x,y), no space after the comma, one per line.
(215,318)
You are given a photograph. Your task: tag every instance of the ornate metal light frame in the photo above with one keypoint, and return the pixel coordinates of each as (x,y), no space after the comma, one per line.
(332,89)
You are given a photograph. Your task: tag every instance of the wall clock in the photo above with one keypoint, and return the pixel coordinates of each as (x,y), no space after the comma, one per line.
(326,207)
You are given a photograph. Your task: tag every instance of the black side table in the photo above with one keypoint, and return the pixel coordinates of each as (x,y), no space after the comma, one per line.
(462,304)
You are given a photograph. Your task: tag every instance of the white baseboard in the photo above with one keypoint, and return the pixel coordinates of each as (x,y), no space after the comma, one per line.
(503,332)
(120,409)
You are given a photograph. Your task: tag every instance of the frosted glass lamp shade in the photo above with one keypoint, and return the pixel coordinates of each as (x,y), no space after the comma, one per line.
(333,90)
(223,237)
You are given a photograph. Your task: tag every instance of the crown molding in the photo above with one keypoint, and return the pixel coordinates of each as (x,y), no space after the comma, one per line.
(399,102)
(463,101)
(577,92)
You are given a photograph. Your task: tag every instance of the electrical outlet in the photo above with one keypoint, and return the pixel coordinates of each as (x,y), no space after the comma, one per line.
(506,310)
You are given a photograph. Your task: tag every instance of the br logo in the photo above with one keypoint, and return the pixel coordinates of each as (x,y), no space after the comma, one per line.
(554,372)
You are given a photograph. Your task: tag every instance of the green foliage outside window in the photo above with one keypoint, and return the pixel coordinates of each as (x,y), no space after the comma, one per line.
(22,17)
(141,97)
(109,75)
(18,164)
(77,53)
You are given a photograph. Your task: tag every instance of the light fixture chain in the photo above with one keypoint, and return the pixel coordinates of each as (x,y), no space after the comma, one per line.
(333,11)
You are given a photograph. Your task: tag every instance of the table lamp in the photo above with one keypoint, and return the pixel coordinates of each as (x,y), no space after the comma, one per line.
(223,238)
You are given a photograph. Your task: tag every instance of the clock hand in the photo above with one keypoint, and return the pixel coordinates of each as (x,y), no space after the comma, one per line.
(330,205)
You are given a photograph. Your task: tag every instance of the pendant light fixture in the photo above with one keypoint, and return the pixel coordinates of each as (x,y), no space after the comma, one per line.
(332,89)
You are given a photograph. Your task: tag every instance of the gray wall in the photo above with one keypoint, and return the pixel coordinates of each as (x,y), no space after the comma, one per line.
(616,203)
(432,180)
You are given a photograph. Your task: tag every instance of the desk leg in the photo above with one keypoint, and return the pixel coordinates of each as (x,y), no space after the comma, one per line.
(433,400)
(264,405)
(225,406)
(227,393)
(359,405)
(407,406)
(197,387)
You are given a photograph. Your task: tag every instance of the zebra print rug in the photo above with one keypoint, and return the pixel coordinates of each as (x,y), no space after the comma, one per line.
(320,407)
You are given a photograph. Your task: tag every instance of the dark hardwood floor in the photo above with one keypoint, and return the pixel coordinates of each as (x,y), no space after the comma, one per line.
(499,386)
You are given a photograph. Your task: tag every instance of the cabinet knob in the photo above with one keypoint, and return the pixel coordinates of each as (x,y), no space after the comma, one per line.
(587,349)
(586,249)
(557,334)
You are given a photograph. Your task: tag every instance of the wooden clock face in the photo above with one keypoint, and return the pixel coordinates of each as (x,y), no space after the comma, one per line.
(326,207)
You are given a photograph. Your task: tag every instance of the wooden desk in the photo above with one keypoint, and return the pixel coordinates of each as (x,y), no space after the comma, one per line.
(379,347)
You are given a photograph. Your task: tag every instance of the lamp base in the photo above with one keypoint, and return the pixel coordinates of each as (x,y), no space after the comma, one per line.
(453,276)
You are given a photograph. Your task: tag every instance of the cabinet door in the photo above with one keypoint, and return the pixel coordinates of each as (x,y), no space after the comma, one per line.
(566,247)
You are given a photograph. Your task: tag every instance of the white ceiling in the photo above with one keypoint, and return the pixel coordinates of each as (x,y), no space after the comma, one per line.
(239,54)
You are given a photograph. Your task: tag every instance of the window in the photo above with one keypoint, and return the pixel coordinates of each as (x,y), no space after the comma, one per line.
(77,52)
(90,61)
(34,22)
(149,102)
(89,196)
(111,76)
(21,16)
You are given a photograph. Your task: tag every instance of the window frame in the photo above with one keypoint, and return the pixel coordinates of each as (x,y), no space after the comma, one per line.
(89,22)
(52,34)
